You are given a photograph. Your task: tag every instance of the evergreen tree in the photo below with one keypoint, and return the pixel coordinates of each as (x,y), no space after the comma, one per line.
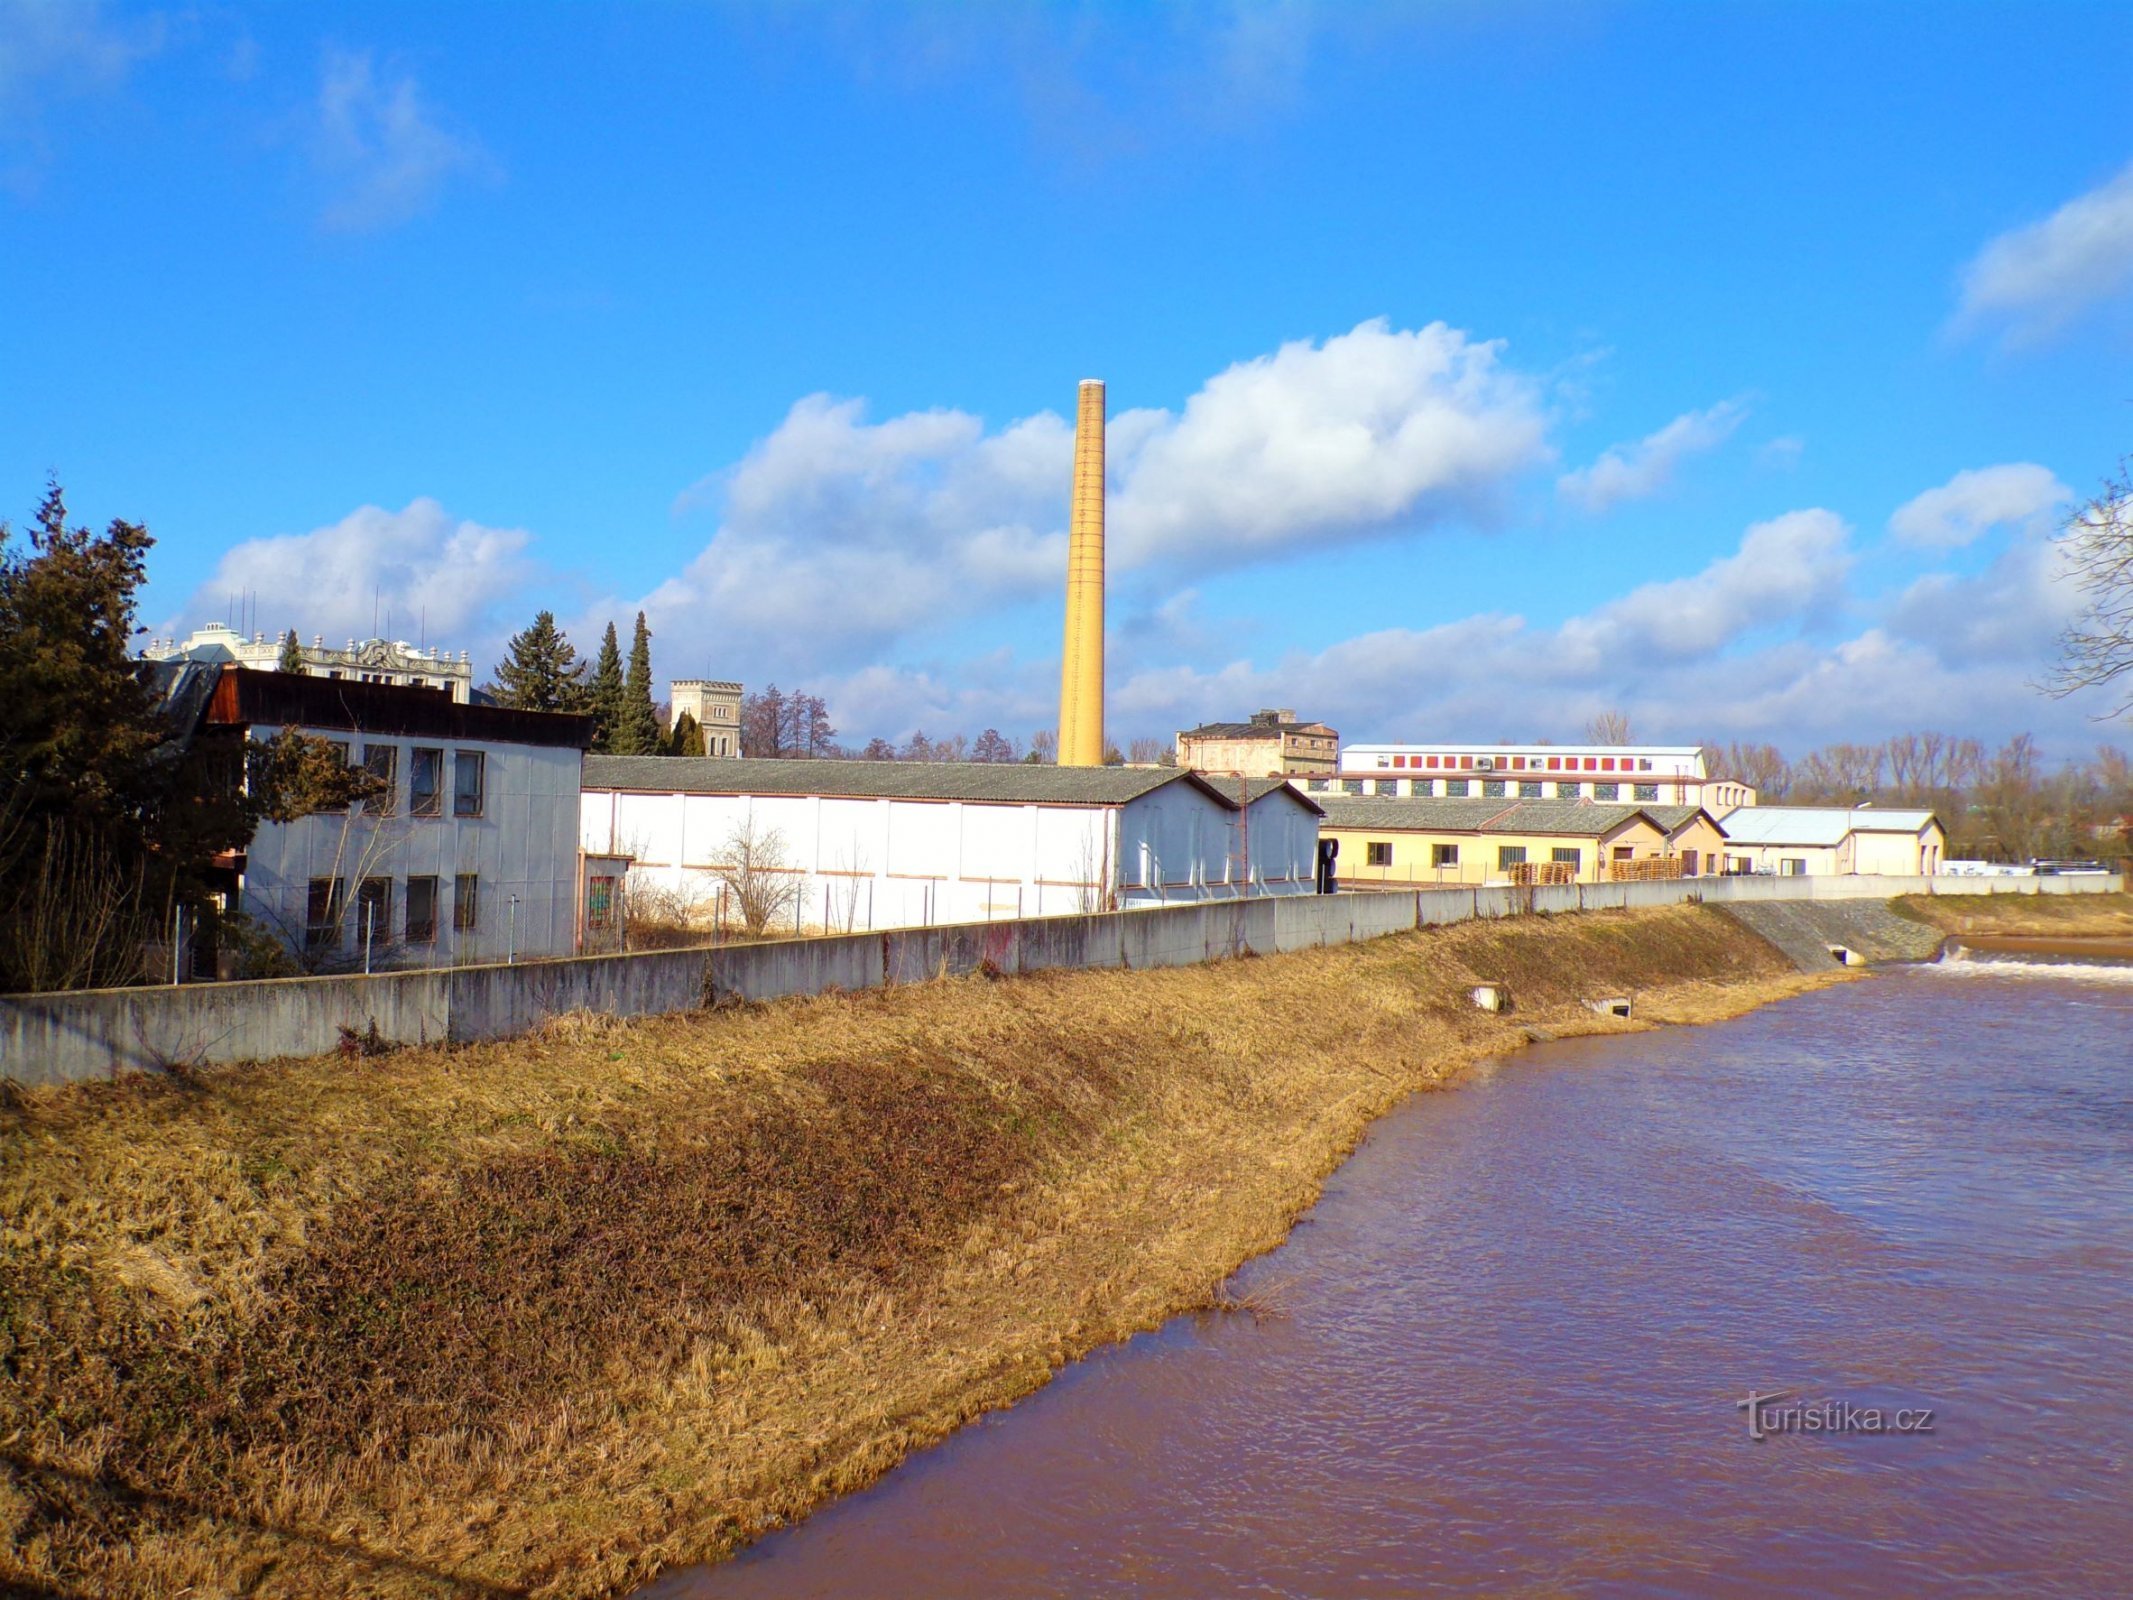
(604,697)
(637,731)
(688,738)
(292,654)
(542,671)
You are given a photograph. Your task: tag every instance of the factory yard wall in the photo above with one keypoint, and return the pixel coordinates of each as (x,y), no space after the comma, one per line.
(69,1037)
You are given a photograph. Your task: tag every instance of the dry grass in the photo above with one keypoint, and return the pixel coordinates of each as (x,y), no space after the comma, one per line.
(2066,915)
(543,1317)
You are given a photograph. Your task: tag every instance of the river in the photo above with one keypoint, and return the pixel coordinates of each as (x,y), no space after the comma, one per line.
(1507,1351)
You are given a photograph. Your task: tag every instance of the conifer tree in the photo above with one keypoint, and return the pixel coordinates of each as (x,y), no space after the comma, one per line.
(688,738)
(292,654)
(542,671)
(639,723)
(604,697)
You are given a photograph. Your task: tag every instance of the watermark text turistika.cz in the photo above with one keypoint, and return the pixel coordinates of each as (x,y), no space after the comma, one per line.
(1778,1412)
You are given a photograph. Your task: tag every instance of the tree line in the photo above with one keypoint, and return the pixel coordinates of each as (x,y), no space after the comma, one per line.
(1998,803)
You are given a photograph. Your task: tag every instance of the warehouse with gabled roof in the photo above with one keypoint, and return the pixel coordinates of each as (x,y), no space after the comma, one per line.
(885,844)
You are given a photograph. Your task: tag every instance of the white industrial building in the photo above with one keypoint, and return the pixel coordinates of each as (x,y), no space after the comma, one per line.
(1667,775)
(1822,841)
(884,844)
(473,856)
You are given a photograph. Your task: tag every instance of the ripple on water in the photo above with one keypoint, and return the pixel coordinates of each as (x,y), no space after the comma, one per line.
(1517,1331)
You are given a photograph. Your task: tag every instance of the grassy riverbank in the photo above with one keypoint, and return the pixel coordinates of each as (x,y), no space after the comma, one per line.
(545,1316)
(2073,916)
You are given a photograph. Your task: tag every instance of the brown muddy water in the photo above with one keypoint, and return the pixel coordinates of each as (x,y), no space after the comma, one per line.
(1511,1342)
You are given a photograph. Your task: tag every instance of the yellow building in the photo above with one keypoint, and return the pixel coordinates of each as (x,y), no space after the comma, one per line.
(1694,835)
(1425,842)
(1272,745)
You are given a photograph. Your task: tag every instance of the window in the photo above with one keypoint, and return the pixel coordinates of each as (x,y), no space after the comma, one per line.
(1510,855)
(374,911)
(382,761)
(1492,788)
(1569,853)
(1607,763)
(1529,791)
(1591,765)
(1318,785)
(600,901)
(1607,791)
(421,910)
(1793,867)
(1555,763)
(1566,791)
(1378,853)
(1644,791)
(323,905)
(1351,786)
(1625,852)
(425,783)
(1444,855)
(1644,763)
(1388,786)
(1433,761)
(466,903)
(468,776)
(1455,788)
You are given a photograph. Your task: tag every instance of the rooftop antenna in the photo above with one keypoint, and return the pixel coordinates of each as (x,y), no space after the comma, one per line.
(376,594)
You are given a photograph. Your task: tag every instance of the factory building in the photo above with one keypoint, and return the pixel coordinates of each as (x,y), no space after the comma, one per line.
(1431,842)
(1819,841)
(1666,775)
(885,844)
(1272,745)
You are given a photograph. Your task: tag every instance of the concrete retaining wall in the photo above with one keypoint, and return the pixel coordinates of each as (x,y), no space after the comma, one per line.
(65,1038)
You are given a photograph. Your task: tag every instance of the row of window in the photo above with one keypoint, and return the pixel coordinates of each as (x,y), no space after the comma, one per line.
(1488,788)
(1378,853)
(425,780)
(326,908)
(1523,763)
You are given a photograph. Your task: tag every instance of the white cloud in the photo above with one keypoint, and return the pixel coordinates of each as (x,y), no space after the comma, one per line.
(378,146)
(425,569)
(1317,444)
(51,48)
(1974,502)
(2036,279)
(1639,470)
(900,528)
(2013,611)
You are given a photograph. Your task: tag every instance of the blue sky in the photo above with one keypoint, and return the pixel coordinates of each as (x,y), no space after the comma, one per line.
(1472,368)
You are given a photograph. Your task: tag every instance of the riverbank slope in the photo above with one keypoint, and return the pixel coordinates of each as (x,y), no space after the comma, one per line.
(545,1316)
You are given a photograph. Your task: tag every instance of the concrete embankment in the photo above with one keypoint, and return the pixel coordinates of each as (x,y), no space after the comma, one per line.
(1818,935)
(543,1316)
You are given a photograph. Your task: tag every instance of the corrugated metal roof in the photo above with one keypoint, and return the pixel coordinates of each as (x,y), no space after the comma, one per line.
(1008,782)
(1566,818)
(295,699)
(1672,817)
(1818,825)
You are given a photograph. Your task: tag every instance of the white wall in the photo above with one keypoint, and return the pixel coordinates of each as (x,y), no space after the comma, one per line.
(524,844)
(868,864)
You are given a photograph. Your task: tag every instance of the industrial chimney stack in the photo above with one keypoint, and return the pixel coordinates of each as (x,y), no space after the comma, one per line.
(1081,671)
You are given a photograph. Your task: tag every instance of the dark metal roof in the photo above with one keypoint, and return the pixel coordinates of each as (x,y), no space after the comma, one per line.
(1006,782)
(295,699)
(1672,818)
(1252,730)
(1568,818)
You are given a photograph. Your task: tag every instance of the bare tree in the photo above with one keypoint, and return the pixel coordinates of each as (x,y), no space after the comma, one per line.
(1149,752)
(758,875)
(2096,547)
(1044,747)
(1609,727)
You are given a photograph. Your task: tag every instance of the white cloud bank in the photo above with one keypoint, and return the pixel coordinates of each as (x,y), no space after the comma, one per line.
(1970,504)
(2035,280)
(428,570)
(1641,469)
(851,533)
(383,154)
